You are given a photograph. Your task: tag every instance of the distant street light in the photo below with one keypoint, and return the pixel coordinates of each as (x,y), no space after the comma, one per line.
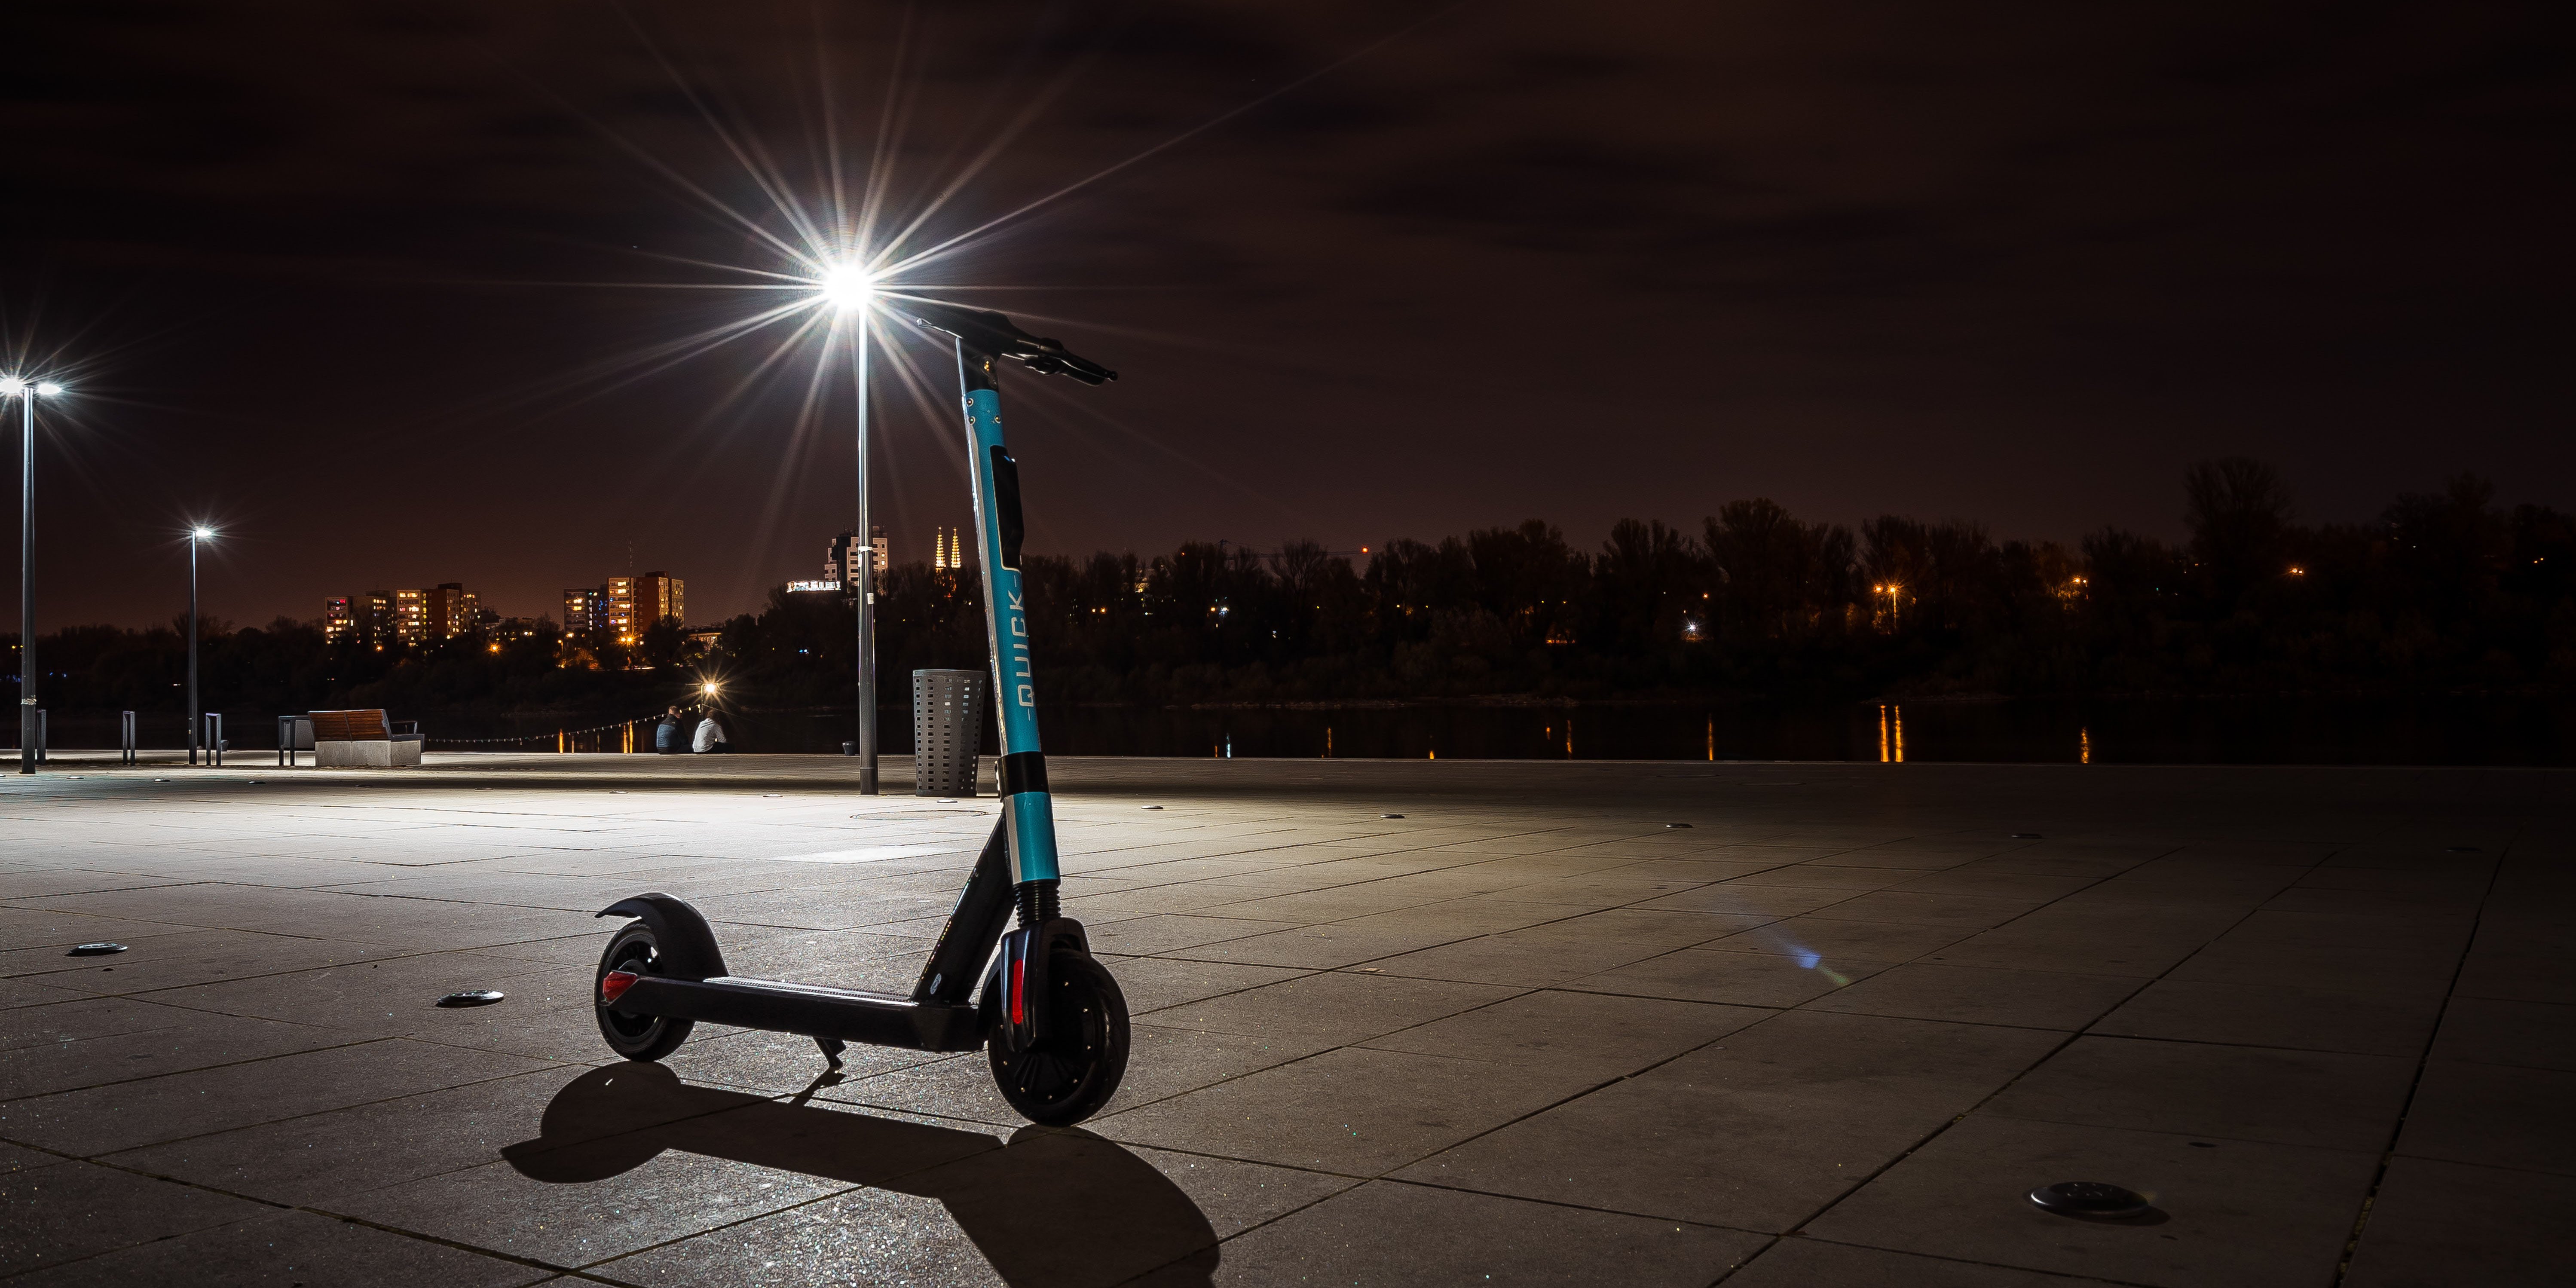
(850,289)
(27,392)
(196,720)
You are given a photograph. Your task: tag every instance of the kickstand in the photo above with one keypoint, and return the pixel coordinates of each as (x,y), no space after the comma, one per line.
(832,1048)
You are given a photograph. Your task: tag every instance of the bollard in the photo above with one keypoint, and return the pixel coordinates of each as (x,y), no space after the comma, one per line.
(214,738)
(44,739)
(125,735)
(947,731)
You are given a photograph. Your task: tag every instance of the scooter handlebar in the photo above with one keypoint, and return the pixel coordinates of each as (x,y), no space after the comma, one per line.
(989,332)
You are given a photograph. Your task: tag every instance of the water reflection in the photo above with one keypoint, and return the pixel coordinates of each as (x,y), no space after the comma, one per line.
(2455,729)
(1052,1207)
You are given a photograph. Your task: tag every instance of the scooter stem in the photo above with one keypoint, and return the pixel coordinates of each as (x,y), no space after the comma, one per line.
(1028,815)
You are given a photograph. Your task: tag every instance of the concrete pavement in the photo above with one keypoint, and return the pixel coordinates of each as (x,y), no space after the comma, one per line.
(1829,1032)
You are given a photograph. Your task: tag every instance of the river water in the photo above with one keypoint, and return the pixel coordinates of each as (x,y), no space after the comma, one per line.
(2436,730)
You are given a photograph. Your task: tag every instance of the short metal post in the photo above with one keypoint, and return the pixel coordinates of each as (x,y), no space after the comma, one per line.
(285,739)
(214,737)
(44,736)
(125,736)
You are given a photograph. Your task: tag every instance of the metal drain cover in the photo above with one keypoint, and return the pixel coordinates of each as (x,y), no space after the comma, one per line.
(2098,1199)
(473,997)
(95,950)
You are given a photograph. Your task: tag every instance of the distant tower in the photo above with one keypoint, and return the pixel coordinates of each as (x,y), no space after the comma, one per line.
(836,559)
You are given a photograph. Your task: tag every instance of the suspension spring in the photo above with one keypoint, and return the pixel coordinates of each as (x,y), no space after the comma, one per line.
(1037,903)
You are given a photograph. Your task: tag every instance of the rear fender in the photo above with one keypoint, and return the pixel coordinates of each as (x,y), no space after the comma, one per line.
(687,944)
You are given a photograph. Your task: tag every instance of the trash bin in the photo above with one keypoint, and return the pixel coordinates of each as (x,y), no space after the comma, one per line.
(947,731)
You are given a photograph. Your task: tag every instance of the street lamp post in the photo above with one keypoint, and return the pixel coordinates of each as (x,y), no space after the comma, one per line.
(850,290)
(26,392)
(196,719)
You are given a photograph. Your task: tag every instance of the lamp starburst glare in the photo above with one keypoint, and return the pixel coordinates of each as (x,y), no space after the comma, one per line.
(848,286)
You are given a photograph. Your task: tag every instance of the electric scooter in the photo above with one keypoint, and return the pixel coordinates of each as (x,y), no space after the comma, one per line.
(1048,1015)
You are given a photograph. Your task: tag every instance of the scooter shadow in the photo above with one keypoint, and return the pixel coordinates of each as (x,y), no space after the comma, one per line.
(1053,1208)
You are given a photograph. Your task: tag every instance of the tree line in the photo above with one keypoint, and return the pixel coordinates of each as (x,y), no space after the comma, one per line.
(2442,590)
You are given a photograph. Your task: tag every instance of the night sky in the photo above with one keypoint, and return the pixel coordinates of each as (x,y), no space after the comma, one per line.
(380,289)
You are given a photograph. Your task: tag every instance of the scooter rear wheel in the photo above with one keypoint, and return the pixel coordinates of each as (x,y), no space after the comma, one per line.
(1075,1071)
(637,1037)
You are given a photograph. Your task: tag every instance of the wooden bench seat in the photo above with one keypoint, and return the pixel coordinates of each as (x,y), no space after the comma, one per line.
(363,739)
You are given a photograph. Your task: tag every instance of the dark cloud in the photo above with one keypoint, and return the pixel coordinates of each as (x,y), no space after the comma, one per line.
(2007,260)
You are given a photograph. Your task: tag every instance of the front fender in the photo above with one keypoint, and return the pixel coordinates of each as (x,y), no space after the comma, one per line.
(1018,977)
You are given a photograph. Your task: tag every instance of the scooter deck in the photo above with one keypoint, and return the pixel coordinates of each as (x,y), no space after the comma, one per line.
(845,1014)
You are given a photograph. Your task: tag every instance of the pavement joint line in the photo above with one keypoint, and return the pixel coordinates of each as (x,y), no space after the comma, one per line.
(543,1065)
(105,1162)
(2423,1061)
(203,1068)
(1576,912)
(2051,1054)
(2069,1040)
(1561,1203)
(146,994)
(1962,1261)
(589,1269)
(188,929)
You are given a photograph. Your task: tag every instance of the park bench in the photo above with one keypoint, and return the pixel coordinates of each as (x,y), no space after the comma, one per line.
(363,740)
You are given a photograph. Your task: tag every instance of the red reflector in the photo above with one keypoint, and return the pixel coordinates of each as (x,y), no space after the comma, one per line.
(1019,991)
(614,984)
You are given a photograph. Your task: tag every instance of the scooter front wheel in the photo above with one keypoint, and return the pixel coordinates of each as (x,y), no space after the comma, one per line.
(1075,1071)
(637,1037)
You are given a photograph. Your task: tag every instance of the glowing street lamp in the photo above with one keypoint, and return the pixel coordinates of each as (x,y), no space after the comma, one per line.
(27,392)
(849,288)
(197,535)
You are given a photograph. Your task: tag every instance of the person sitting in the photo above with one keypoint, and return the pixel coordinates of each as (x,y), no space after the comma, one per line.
(666,734)
(710,736)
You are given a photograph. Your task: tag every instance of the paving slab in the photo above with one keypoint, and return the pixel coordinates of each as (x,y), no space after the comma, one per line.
(1832,1033)
(1758,1131)
(123,1115)
(1806,1263)
(2436,1224)
(1411,1234)
(288,1248)
(61,1215)
(2226,1212)
(2279,1015)
(2503,1115)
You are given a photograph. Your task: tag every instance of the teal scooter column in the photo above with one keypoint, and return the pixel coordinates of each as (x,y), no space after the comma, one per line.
(1027,812)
